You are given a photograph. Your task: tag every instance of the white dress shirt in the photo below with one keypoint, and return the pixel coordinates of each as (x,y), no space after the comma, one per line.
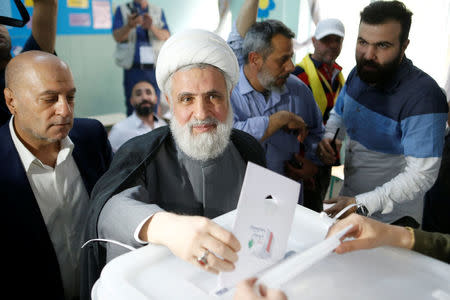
(129,128)
(62,199)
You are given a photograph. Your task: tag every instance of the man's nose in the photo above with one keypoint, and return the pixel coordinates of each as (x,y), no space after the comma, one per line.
(63,107)
(289,66)
(201,109)
(335,44)
(370,53)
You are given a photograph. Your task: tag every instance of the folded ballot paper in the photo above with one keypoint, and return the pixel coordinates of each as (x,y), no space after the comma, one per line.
(263,222)
(262,225)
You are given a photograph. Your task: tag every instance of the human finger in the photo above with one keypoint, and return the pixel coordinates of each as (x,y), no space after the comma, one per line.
(302,134)
(224,236)
(296,122)
(336,208)
(206,260)
(332,211)
(325,152)
(139,19)
(245,289)
(275,294)
(341,225)
(352,245)
(325,147)
(331,200)
(220,249)
(262,290)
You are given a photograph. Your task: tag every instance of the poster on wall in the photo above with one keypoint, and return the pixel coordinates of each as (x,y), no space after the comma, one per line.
(265,7)
(74,17)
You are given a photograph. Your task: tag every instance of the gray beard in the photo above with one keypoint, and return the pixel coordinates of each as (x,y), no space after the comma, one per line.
(268,81)
(203,146)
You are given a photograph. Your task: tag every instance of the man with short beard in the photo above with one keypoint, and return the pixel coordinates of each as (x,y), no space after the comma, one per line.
(394,117)
(142,120)
(268,102)
(164,185)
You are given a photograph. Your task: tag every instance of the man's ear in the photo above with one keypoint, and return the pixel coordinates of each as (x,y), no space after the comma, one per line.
(167,99)
(255,59)
(404,46)
(10,100)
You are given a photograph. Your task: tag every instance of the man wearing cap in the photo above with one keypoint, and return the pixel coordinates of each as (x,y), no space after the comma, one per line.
(320,72)
(269,102)
(164,185)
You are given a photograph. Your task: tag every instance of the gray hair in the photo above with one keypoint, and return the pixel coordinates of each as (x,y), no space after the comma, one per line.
(168,85)
(259,37)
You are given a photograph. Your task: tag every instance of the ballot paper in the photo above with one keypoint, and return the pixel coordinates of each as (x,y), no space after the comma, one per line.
(263,222)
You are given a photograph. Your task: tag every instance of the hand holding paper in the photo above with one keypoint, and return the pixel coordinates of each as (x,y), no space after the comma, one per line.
(188,237)
(263,222)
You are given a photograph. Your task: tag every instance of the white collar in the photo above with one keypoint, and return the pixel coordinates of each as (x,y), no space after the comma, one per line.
(139,123)
(28,158)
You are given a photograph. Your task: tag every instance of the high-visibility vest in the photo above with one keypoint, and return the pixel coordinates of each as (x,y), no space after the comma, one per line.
(316,84)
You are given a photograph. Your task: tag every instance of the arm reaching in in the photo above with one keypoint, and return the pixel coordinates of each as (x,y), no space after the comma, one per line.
(44,24)
(247,16)
(368,234)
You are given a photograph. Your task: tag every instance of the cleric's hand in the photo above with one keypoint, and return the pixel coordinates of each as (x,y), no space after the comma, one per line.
(188,237)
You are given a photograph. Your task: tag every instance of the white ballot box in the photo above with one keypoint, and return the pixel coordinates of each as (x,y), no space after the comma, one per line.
(152,272)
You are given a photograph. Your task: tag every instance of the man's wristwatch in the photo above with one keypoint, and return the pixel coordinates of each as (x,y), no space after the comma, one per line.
(362,210)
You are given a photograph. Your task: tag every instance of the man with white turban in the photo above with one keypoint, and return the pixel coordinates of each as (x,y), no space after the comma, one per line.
(163,186)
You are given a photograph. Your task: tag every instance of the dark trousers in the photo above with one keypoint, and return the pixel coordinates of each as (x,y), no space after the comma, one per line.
(315,192)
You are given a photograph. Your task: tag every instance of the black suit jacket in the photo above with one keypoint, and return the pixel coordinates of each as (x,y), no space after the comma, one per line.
(31,265)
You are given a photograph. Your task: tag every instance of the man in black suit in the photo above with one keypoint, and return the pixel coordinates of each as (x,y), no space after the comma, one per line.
(50,163)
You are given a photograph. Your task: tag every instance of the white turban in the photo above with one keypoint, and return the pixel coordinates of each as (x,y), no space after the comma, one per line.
(192,47)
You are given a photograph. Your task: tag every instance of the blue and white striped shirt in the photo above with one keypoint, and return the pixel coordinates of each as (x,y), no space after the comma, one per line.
(395,136)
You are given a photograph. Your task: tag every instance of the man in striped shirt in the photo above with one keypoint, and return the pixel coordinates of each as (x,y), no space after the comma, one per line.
(394,116)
